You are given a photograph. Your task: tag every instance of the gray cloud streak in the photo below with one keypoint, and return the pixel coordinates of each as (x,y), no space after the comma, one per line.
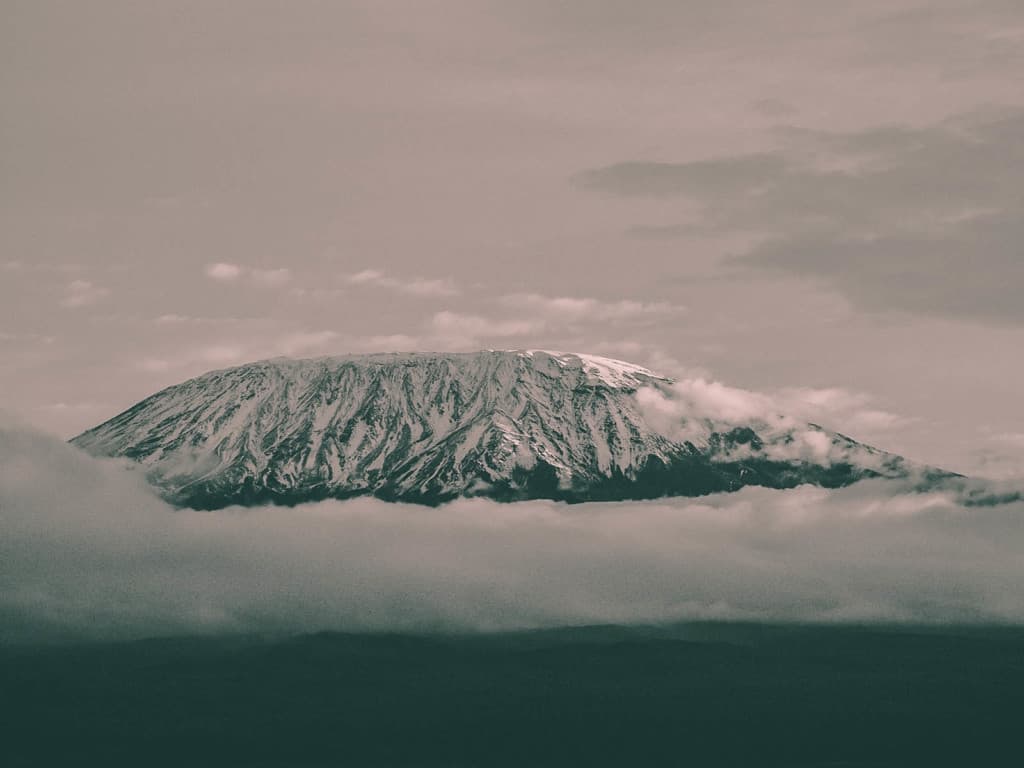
(925,220)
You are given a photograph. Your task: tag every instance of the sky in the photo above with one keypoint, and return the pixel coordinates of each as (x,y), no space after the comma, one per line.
(809,197)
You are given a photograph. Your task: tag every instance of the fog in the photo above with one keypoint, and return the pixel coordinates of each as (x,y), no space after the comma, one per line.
(87,551)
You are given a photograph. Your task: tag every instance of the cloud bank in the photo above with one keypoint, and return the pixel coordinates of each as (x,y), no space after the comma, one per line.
(920,219)
(87,551)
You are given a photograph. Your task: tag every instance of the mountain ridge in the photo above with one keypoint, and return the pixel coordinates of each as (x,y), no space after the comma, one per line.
(432,427)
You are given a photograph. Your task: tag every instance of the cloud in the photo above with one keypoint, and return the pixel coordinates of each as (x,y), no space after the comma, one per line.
(742,174)
(86,406)
(700,399)
(175,319)
(417,286)
(425,287)
(854,411)
(155,364)
(221,353)
(774,108)
(204,356)
(1011,438)
(82,293)
(471,327)
(922,219)
(370,276)
(27,337)
(198,358)
(998,463)
(574,309)
(959,40)
(87,550)
(1002,458)
(319,294)
(528,315)
(395,342)
(224,271)
(304,341)
(657,231)
(693,407)
(278,276)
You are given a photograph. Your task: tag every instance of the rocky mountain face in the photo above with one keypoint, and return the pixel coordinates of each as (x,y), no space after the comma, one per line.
(428,428)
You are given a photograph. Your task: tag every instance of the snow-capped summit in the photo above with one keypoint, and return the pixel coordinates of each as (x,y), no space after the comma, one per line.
(427,427)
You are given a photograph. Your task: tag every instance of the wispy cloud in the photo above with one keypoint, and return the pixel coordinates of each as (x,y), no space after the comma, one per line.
(476,326)
(84,407)
(416,286)
(574,309)
(223,271)
(192,359)
(226,272)
(175,319)
(33,338)
(304,341)
(278,276)
(838,408)
(395,342)
(1001,457)
(366,277)
(526,317)
(82,293)
(1010,438)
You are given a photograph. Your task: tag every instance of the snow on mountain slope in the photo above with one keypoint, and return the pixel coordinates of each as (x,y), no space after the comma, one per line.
(431,427)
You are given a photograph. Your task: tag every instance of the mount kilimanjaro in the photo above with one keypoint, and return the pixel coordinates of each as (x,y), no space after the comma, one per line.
(429,428)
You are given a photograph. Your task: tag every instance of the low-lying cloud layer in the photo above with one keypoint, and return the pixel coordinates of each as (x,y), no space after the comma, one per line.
(87,550)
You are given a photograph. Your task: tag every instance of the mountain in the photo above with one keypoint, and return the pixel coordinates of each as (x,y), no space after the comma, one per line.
(428,428)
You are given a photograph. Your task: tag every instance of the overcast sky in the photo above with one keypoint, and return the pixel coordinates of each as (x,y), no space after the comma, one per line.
(810,196)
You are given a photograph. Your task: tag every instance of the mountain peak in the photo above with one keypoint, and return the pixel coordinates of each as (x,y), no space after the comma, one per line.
(428,427)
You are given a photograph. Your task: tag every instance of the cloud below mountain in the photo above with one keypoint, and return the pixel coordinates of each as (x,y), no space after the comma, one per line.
(87,550)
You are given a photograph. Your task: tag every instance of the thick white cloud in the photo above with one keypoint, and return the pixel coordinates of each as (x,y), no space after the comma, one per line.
(85,549)
(696,404)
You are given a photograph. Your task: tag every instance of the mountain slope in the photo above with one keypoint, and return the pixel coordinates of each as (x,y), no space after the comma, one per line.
(432,427)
